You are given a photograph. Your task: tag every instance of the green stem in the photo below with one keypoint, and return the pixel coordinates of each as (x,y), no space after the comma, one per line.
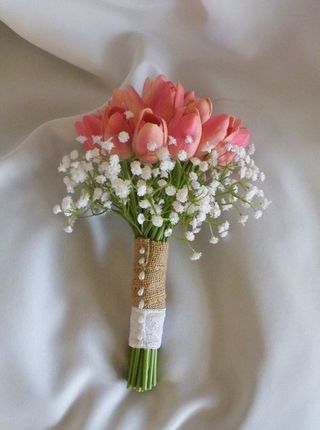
(142,374)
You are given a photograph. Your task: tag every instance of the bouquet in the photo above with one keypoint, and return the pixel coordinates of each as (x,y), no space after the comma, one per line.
(157,160)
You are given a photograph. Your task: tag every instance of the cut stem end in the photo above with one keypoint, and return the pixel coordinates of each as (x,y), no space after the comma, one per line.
(142,374)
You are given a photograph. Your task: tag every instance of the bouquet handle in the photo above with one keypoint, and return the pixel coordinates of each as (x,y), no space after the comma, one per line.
(148,295)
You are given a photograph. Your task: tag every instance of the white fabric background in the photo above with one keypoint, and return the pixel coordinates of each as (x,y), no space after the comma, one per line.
(241,342)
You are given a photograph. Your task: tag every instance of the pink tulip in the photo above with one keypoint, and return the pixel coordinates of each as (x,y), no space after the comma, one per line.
(204,107)
(116,126)
(163,96)
(127,99)
(150,135)
(91,125)
(217,132)
(185,132)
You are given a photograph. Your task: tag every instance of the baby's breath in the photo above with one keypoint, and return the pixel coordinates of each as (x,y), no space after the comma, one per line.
(153,199)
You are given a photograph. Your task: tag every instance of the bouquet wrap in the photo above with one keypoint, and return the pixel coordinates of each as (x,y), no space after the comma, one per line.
(147,312)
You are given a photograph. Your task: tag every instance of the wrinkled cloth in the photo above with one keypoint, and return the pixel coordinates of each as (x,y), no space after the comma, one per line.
(241,344)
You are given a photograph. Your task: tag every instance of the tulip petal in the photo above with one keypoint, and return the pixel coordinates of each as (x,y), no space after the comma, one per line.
(90,125)
(241,137)
(128,99)
(148,133)
(187,133)
(114,125)
(213,132)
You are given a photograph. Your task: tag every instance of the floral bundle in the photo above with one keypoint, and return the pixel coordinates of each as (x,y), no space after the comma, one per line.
(158,160)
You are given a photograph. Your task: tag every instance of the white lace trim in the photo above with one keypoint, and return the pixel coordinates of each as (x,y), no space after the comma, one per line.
(146,327)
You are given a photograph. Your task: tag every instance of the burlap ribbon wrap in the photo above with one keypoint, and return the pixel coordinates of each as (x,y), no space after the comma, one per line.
(148,293)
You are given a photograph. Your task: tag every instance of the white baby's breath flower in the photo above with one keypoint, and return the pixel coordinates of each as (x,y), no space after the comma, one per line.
(188,139)
(251,149)
(107,144)
(146,173)
(128,114)
(114,160)
(65,164)
(105,197)
(243,219)
(162,182)
(81,139)
(123,136)
(190,236)
(83,200)
(68,229)
(135,167)
(97,139)
(265,204)
(250,194)
(163,153)
(156,172)
(262,176)
(195,161)
(97,193)
(69,184)
(168,232)
(177,206)
(208,147)
(157,220)
(201,217)
(78,174)
(74,154)
(193,176)
(193,223)
(56,209)
(141,188)
(144,204)
(167,165)
(224,226)
(174,218)
(66,203)
(195,185)
(170,190)
(182,195)
(214,240)
(141,218)
(121,188)
(203,166)
(258,214)
(182,155)
(100,179)
(172,140)
(196,256)
(152,146)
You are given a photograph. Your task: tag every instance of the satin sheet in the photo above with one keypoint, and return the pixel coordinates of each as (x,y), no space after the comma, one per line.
(241,347)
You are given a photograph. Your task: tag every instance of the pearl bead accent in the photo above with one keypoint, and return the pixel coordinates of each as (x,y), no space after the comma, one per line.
(139,337)
(142,250)
(141,304)
(142,276)
(141,261)
(140,292)
(141,320)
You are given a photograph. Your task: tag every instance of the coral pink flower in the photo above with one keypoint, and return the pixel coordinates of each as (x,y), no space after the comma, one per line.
(141,125)
(204,107)
(150,135)
(220,130)
(115,125)
(185,133)
(90,126)
(163,96)
(127,99)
